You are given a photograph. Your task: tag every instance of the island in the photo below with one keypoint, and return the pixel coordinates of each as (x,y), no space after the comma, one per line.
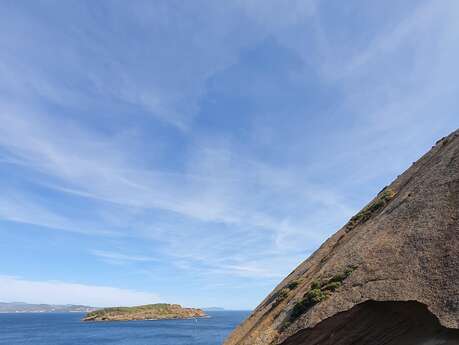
(159,311)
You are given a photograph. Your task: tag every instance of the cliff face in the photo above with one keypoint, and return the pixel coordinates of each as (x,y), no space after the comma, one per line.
(396,260)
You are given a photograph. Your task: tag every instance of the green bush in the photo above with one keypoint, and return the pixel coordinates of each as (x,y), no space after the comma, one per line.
(339,278)
(348,271)
(320,291)
(292,285)
(315,296)
(282,294)
(315,285)
(299,309)
(380,202)
(279,296)
(311,298)
(331,286)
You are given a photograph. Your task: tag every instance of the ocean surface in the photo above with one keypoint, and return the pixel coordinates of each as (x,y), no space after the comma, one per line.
(67,329)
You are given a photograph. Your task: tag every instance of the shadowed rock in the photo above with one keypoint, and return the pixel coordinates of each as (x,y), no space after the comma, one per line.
(378,323)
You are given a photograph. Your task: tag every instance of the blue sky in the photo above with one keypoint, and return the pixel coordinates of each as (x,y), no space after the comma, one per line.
(196,151)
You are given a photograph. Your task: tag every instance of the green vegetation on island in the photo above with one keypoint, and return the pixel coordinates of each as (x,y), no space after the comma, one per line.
(160,311)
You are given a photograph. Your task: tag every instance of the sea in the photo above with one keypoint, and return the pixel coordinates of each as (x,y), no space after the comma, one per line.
(68,329)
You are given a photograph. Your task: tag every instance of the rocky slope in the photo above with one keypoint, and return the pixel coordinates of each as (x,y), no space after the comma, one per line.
(159,311)
(389,276)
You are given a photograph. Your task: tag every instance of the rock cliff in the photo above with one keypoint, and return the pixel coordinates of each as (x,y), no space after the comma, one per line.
(388,276)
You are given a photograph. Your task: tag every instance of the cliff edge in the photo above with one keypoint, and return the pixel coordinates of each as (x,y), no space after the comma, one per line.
(389,276)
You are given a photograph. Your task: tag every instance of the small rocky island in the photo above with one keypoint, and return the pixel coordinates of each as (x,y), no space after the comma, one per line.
(160,311)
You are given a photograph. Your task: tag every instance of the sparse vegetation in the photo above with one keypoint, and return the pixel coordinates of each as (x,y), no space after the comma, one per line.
(340,277)
(379,203)
(331,286)
(292,285)
(315,284)
(311,298)
(315,296)
(320,291)
(282,294)
(443,141)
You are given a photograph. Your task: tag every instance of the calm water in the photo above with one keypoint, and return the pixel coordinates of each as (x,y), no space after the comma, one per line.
(66,329)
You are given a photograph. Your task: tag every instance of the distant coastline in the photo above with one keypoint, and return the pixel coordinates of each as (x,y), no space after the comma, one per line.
(213,309)
(21,307)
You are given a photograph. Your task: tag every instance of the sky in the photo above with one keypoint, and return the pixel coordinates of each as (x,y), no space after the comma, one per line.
(196,152)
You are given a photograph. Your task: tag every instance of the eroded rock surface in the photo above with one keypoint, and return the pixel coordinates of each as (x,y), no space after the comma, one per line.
(403,246)
(398,323)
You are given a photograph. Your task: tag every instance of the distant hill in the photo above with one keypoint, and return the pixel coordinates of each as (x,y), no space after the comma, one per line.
(160,311)
(20,307)
(213,309)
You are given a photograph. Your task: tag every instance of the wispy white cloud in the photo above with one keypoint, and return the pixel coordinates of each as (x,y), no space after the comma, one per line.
(120,257)
(22,209)
(249,271)
(211,190)
(57,292)
(124,137)
(424,21)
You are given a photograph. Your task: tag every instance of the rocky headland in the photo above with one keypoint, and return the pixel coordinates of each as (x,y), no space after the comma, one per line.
(389,276)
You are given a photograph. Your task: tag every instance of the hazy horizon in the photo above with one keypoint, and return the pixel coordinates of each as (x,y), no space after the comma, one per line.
(70,304)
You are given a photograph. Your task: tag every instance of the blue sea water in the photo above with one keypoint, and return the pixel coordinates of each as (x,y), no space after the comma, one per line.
(67,329)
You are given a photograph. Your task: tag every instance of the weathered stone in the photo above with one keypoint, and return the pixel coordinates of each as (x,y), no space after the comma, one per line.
(403,246)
